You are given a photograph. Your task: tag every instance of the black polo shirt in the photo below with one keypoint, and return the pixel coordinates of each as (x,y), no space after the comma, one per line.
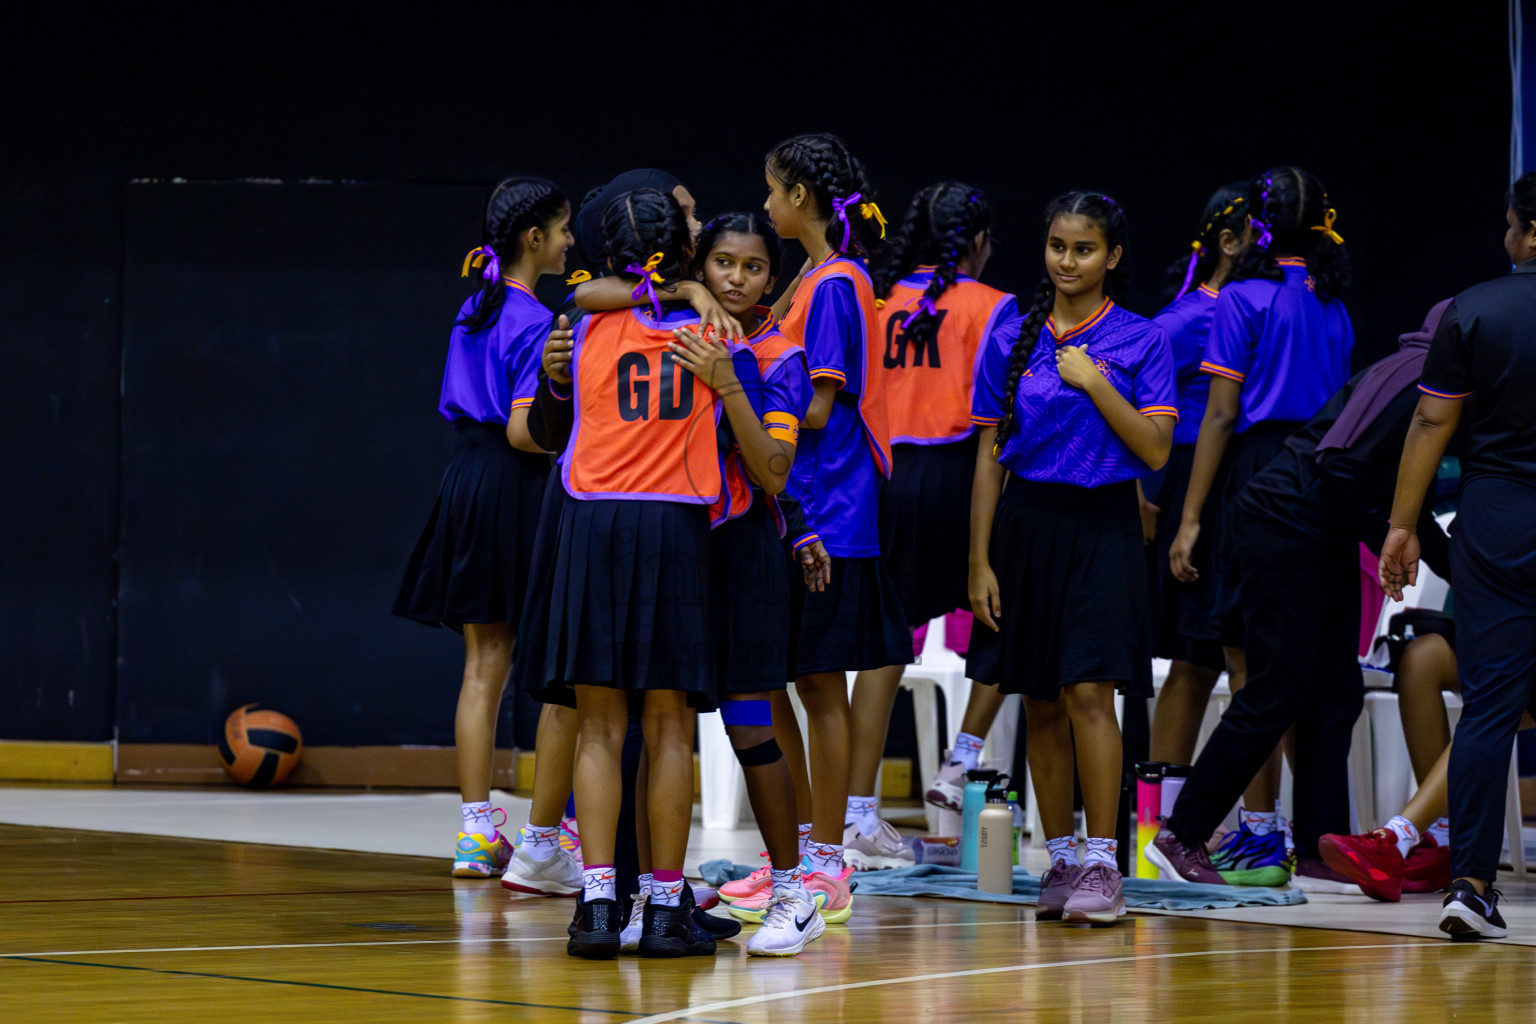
(1485,352)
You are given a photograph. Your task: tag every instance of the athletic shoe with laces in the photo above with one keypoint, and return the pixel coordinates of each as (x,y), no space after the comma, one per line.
(667,932)
(475,856)
(598,924)
(1244,858)
(629,938)
(559,874)
(1055,888)
(746,888)
(1466,915)
(705,898)
(790,922)
(1181,863)
(832,894)
(1427,868)
(1369,860)
(1313,875)
(1098,896)
(947,790)
(880,850)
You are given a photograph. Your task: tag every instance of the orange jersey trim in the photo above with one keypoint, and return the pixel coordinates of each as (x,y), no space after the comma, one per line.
(986,421)
(514,283)
(1291,261)
(782,426)
(831,374)
(1159,410)
(521,403)
(1444,394)
(1086,325)
(1222,371)
(1212,292)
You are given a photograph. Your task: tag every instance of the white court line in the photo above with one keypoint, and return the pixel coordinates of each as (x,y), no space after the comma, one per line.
(441,942)
(728,1004)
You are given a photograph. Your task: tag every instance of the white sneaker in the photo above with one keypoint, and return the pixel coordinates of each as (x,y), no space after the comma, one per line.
(792,922)
(629,938)
(947,790)
(883,849)
(559,874)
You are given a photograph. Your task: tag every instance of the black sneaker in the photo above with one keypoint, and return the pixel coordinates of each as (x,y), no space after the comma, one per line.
(714,926)
(672,932)
(1466,915)
(597,924)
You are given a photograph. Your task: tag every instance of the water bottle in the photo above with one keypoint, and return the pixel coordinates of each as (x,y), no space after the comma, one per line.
(1018,824)
(994,836)
(972,800)
(1149,783)
(1174,776)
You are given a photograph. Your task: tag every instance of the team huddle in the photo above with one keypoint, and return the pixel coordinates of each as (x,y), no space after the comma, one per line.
(677,499)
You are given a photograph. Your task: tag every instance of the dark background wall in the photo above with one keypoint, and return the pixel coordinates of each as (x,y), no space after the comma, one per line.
(217,394)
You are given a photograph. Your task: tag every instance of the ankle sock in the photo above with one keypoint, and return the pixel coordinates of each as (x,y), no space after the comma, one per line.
(863,811)
(541,841)
(645,884)
(787,881)
(1285,827)
(967,751)
(1404,832)
(1260,823)
(477,819)
(597,883)
(1440,831)
(1063,851)
(824,857)
(804,829)
(1100,851)
(667,888)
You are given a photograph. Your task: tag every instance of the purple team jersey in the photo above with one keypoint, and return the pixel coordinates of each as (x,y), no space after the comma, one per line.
(835,478)
(492,371)
(1059,435)
(1187,321)
(1288,348)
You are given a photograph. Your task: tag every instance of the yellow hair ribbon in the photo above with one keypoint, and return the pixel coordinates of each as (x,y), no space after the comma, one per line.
(473,258)
(580,277)
(651,265)
(879,303)
(868,210)
(1197,246)
(1326,227)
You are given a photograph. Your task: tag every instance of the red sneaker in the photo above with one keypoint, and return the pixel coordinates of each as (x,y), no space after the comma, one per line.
(1370,860)
(1427,868)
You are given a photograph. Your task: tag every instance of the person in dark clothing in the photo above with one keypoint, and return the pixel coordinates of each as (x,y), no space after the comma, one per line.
(1481,375)
(1300,521)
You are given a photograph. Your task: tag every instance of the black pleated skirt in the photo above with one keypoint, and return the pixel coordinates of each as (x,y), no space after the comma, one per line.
(1072,579)
(530,643)
(854,624)
(925,527)
(628,602)
(471,563)
(752,603)
(1172,599)
(1218,589)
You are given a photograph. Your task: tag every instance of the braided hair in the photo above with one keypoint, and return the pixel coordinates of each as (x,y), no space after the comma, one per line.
(1291,213)
(514,206)
(822,162)
(1226,210)
(938,229)
(641,223)
(1109,217)
(741,224)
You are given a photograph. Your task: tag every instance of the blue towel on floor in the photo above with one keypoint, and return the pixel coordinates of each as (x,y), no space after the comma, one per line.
(953,883)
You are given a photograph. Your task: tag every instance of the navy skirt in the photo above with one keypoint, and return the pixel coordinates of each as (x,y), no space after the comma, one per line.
(627,603)
(530,643)
(925,527)
(752,603)
(1072,579)
(1172,599)
(1216,613)
(471,563)
(856,623)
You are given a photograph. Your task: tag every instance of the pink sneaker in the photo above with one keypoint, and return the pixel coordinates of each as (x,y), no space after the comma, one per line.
(832,895)
(1097,896)
(1055,888)
(746,888)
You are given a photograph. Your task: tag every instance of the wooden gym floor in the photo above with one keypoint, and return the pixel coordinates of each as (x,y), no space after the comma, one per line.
(105,926)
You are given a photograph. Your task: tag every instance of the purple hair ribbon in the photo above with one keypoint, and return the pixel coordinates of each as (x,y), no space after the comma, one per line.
(647,274)
(925,305)
(1189,275)
(1264,236)
(840,211)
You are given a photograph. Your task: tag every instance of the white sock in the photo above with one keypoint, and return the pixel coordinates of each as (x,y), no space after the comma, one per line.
(967,751)
(1284,826)
(645,884)
(477,819)
(785,882)
(1403,830)
(863,811)
(805,838)
(1261,823)
(667,894)
(541,841)
(825,857)
(1100,851)
(1063,850)
(597,883)
(1440,832)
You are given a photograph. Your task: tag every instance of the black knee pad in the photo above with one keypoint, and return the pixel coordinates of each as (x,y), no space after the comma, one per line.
(765,752)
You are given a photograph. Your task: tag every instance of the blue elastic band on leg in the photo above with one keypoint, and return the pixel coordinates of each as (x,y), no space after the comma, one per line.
(746,712)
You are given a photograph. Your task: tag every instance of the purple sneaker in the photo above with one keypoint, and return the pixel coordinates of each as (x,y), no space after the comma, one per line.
(1055,887)
(1096,897)
(1182,863)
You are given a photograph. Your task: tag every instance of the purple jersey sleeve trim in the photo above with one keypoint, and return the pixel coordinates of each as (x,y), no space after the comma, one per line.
(1222,371)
